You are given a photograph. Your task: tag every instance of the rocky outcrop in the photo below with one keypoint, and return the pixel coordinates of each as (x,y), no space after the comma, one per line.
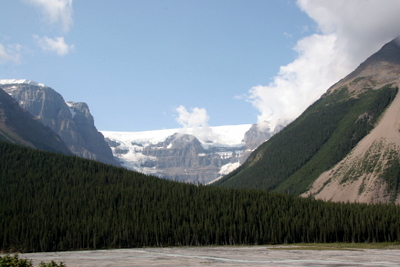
(71,121)
(18,126)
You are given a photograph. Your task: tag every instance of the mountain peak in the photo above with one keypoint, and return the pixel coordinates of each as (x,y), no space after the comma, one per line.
(72,121)
(379,69)
(21,81)
(390,52)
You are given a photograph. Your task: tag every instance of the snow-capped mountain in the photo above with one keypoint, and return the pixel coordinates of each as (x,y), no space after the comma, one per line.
(21,81)
(192,155)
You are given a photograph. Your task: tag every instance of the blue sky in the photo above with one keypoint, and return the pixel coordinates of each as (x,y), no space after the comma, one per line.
(148,65)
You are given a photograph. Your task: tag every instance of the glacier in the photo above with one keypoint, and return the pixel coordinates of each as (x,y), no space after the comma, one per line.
(225,143)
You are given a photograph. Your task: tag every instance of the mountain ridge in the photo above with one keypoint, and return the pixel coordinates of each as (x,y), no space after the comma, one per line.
(344,116)
(204,154)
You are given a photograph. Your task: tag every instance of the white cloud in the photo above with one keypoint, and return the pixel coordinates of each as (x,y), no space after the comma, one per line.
(57,45)
(197,118)
(194,122)
(349,32)
(56,11)
(10,54)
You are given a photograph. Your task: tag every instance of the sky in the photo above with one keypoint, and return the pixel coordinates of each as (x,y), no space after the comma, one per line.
(145,65)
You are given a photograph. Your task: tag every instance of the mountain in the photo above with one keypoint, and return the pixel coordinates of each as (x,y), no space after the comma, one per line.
(71,121)
(344,147)
(190,155)
(19,127)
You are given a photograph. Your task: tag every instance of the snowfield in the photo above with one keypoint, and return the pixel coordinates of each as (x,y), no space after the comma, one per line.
(229,135)
(21,81)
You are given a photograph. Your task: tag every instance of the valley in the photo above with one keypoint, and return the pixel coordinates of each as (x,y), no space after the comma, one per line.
(67,186)
(200,133)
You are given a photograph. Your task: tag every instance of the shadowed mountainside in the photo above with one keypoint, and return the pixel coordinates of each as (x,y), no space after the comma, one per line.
(19,127)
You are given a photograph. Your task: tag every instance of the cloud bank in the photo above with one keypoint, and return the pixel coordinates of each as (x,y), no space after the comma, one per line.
(348,32)
(194,122)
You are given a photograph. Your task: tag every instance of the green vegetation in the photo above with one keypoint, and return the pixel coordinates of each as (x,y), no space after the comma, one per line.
(51,202)
(391,175)
(323,135)
(15,261)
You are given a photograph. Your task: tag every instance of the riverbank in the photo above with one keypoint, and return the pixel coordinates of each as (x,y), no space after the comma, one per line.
(288,255)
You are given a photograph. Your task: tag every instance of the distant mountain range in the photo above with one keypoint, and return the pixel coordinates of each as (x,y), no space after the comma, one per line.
(190,155)
(344,147)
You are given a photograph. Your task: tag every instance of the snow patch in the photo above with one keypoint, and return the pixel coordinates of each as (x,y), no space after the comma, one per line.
(227,168)
(20,81)
(71,108)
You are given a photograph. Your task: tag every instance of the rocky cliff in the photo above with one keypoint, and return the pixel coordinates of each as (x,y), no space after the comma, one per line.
(71,121)
(182,157)
(18,126)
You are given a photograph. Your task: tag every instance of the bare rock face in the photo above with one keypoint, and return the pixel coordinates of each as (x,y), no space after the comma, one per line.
(18,126)
(182,157)
(71,121)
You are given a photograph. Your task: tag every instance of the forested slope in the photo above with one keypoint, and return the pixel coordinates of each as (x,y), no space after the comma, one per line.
(324,138)
(52,202)
(325,133)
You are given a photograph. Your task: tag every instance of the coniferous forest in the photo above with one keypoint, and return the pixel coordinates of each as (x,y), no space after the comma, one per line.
(52,202)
